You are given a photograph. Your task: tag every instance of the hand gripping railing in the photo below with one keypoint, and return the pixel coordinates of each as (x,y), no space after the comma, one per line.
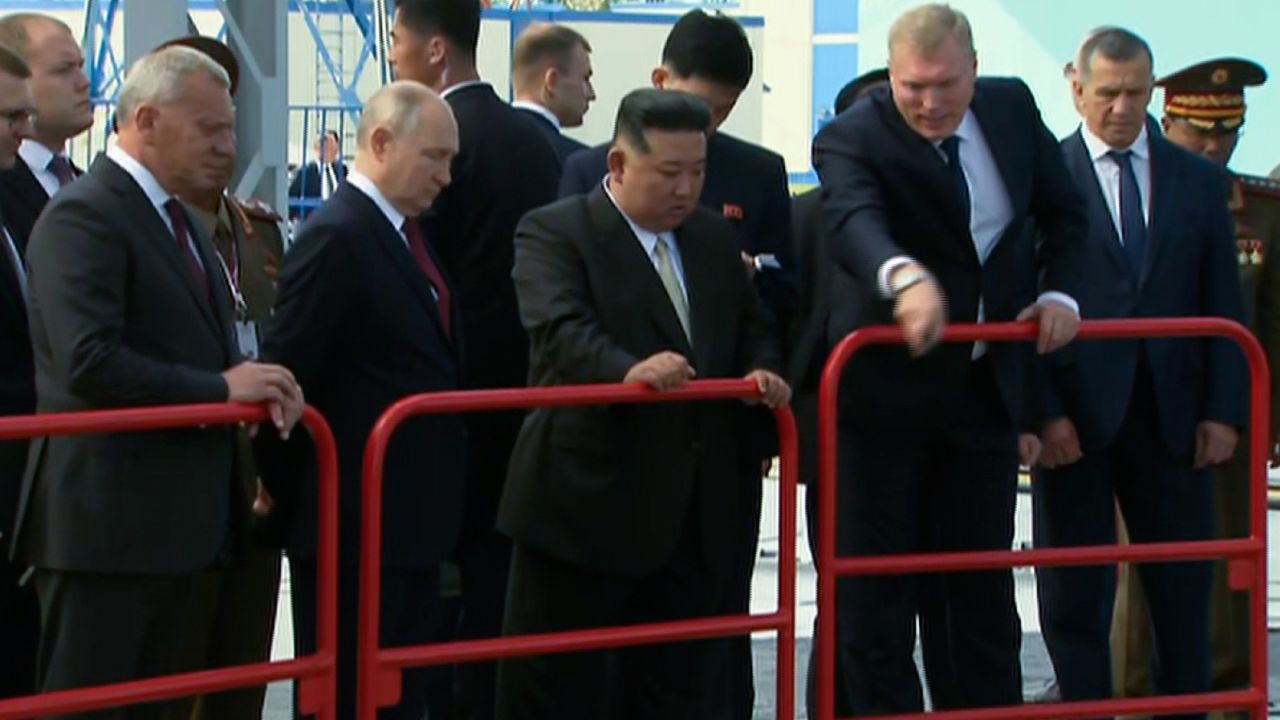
(316,673)
(380,669)
(1247,558)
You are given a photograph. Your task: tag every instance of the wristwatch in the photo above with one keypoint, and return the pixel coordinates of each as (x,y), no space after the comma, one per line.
(903,279)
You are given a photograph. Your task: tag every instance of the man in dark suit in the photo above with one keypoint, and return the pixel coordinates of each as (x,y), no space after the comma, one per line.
(60,91)
(1137,421)
(928,186)
(127,308)
(551,75)
(19,611)
(709,56)
(627,514)
(503,169)
(316,180)
(367,316)
(807,345)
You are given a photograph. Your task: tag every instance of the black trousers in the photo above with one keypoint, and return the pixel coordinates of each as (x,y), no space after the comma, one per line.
(1162,498)
(410,606)
(647,682)
(104,628)
(944,482)
(19,632)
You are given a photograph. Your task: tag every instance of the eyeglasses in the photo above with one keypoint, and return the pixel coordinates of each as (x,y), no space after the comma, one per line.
(18,116)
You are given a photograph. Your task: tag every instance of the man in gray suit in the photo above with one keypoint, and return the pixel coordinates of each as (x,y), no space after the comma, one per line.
(128,307)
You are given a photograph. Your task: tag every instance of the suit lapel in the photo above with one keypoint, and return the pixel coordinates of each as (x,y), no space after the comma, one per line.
(699,281)
(628,255)
(31,193)
(992,126)
(146,219)
(396,251)
(219,289)
(1164,177)
(1081,165)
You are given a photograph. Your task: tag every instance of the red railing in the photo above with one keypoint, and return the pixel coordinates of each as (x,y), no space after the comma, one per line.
(1247,558)
(380,669)
(316,673)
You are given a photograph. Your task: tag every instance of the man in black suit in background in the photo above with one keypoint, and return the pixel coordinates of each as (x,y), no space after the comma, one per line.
(627,514)
(19,611)
(928,187)
(60,91)
(551,75)
(503,169)
(318,179)
(366,317)
(709,56)
(1137,422)
(127,307)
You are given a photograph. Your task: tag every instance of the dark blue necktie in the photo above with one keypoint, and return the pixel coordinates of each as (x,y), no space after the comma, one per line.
(1133,224)
(951,147)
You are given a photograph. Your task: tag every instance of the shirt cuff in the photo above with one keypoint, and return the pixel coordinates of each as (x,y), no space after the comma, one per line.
(1060,297)
(886,272)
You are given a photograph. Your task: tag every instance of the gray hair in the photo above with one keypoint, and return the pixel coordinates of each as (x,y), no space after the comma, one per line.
(1112,43)
(396,106)
(927,27)
(160,78)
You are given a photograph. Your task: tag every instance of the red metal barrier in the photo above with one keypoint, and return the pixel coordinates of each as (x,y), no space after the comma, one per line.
(316,673)
(380,669)
(1247,557)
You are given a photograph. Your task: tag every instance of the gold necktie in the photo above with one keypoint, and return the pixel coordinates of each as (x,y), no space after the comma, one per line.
(667,273)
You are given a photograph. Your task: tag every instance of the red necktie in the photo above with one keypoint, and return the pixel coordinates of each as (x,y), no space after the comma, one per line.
(182,231)
(418,247)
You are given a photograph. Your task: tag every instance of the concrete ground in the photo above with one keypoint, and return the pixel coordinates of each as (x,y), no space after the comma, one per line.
(1037,671)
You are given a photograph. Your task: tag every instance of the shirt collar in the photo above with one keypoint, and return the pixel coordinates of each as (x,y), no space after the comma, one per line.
(1098,148)
(539,109)
(35,155)
(154,191)
(460,86)
(966,131)
(361,182)
(647,238)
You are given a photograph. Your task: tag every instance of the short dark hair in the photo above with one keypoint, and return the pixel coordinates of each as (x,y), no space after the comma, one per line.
(714,47)
(13,64)
(1112,43)
(457,20)
(654,109)
(543,44)
(330,133)
(860,86)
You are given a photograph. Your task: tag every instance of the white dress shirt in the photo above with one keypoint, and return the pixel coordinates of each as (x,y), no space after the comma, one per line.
(649,242)
(1108,172)
(455,88)
(535,107)
(153,190)
(37,157)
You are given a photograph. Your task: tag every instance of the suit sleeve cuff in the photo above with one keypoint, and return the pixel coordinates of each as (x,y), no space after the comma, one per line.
(1059,297)
(886,272)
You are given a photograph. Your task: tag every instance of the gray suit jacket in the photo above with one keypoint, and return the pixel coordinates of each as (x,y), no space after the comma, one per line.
(117,319)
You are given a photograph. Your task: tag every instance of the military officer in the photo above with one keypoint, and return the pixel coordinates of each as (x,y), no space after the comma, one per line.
(1204,109)
(248,238)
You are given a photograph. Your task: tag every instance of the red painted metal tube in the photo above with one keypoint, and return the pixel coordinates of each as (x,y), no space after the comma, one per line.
(380,668)
(1252,551)
(316,673)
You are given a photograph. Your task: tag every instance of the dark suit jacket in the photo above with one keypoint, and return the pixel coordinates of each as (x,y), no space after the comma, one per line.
(503,169)
(562,144)
(118,320)
(886,191)
(305,188)
(745,183)
(22,198)
(1189,270)
(17,387)
(357,323)
(611,488)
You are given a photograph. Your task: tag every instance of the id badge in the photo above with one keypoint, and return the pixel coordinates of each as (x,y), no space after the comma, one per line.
(247,337)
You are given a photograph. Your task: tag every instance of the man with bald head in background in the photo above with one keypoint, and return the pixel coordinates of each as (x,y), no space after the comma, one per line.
(60,91)
(551,74)
(127,308)
(367,316)
(19,612)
